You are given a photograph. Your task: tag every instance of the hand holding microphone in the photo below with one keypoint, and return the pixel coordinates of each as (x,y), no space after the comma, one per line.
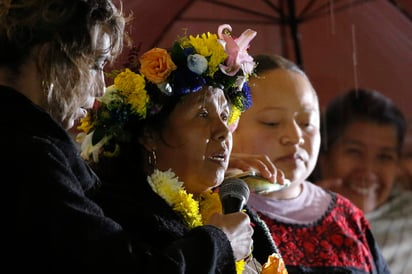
(234,194)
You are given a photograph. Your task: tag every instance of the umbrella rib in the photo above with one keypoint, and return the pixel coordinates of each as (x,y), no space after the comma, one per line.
(307,8)
(324,9)
(175,18)
(273,6)
(248,21)
(401,9)
(249,11)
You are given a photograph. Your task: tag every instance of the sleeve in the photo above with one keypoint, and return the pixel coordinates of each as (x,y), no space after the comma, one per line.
(54,227)
(380,263)
(205,249)
(263,243)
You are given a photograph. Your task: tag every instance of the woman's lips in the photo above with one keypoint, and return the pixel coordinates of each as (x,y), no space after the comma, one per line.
(219,157)
(363,189)
(290,158)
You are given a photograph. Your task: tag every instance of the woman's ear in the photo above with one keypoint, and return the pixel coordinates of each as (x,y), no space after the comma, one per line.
(149,140)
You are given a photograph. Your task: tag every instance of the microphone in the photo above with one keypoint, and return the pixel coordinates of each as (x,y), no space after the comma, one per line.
(233,193)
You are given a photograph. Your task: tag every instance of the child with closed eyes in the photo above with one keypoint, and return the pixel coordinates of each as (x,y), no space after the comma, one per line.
(316,231)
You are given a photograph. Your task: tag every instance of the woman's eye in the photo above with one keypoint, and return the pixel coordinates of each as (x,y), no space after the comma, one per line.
(354,152)
(270,124)
(225,117)
(307,126)
(387,157)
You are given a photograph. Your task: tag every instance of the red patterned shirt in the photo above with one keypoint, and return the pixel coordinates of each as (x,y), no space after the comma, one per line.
(339,241)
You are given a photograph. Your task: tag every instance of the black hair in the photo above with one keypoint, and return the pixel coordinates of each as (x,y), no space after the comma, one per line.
(360,105)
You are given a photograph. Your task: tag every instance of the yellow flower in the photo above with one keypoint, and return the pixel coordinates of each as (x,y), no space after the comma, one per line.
(156,65)
(167,186)
(138,102)
(208,45)
(188,208)
(85,124)
(234,115)
(132,86)
(209,205)
(128,82)
(240,266)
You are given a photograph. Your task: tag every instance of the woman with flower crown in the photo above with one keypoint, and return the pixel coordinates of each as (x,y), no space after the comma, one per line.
(160,141)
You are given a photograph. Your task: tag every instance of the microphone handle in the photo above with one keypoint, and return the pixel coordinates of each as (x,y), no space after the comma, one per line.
(232,204)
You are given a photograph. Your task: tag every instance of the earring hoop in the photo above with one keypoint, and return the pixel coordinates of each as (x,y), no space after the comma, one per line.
(152,159)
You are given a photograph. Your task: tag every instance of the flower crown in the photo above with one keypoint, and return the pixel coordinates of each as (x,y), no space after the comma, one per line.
(141,89)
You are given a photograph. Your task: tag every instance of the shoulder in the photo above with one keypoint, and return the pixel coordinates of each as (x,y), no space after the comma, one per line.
(344,208)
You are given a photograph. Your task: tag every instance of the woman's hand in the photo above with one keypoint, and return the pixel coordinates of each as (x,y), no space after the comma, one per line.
(257,162)
(238,230)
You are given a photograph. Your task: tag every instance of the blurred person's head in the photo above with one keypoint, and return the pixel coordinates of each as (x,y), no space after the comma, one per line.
(362,133)
(65,45)
(172,110)
(283,122)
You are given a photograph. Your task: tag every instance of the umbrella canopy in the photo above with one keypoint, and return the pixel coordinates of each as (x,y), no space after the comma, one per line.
(340,44)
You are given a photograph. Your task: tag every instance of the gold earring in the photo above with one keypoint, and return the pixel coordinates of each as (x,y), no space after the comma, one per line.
(152,159)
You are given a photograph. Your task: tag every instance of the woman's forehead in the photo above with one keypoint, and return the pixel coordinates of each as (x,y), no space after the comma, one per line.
(206,95)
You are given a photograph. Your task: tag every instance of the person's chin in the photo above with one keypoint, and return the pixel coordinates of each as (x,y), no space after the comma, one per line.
(218,178)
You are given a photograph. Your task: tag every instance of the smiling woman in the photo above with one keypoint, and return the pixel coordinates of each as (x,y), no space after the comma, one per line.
(364,134)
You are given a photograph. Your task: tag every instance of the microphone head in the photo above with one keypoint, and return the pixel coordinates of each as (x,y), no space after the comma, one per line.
(233,193)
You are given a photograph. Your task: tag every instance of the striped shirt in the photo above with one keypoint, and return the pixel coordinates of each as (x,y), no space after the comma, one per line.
(392,227)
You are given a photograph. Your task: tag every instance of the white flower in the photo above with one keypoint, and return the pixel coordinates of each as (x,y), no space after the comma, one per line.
(166,88)
(240,81)
(165,184)
(87,149)
(110,95)
(197,63)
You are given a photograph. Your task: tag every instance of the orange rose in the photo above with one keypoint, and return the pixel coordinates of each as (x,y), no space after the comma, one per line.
(156,65)
(274,265)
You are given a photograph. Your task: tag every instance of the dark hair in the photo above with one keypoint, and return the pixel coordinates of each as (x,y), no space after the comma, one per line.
(266,62)
(128,166)
(360,105)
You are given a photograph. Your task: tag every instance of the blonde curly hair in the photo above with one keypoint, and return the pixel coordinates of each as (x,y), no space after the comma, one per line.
(61,36)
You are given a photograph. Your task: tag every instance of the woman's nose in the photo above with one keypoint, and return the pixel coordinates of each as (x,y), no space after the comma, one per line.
(100,87)
(292,134)
(222,130)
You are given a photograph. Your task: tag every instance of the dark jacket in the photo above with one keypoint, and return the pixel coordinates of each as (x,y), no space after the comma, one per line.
(149,219)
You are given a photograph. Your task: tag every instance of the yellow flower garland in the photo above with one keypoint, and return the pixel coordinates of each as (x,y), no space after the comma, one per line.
(196,213)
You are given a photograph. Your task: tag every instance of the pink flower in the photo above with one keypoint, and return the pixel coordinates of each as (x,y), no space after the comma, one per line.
(236,49)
